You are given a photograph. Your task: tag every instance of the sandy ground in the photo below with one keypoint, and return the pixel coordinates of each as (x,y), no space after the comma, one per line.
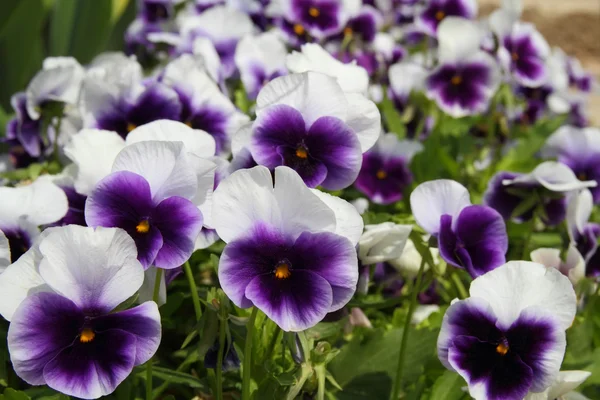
(573,25)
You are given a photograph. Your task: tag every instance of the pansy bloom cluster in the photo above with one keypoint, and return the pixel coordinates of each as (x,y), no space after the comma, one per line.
(303,199)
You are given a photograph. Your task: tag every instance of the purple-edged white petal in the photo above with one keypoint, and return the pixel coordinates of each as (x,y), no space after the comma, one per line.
(94,152)
(41,202)
(97,269)
(430,200)
(572,142)
(352,78)
(244,198)
(382,242)
(508,291)
(554,176)
(313,94)
(165,165)
(573,267)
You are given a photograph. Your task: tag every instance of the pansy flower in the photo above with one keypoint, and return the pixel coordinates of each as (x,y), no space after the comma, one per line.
(156,10)
(290,250)
(573,266)
(260,59)
(364,26)
(307,122)
(149,194)
(384,173)
(508,340)
(24,208)
(523,52)
(541,191)
(466,78)
(584,234)
(579,149)
(59,299)
(436,11)
(469,236)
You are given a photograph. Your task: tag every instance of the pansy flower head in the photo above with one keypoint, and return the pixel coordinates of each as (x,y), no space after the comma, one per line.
(59,299)
(260,59)
(508,340)
(385,172)
(542,191)
(466,78)
(290,250)
(436,11)
(307,122)
(573,266)
(579,149)
(364,26)
(469,236)
(149,194)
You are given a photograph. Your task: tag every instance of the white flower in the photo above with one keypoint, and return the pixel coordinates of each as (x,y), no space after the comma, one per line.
(573,267)
(562,388)
(554,176)
(382,242)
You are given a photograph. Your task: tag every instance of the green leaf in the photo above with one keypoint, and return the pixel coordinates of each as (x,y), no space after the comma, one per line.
(91,30)
(448,387)
(11,394)
(61,25)
(392,117)
(373,386)
(170,376)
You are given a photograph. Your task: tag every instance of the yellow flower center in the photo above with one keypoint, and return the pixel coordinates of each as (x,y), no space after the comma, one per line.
(299,30)
(440,15)
(143,226)
(131,126)
(381,174)
(282,270)
(515,56)
(456,80)
(314,12)
(348,31)
(502,349)
(87,335)
(301,153)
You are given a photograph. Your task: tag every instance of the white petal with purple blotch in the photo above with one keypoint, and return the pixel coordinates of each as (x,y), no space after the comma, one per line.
(430,200)
(509,290)
(554,176)
(165,165)
(93,151)
(95,268)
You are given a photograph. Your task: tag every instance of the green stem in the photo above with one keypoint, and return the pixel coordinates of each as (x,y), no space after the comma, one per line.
(405,331)
(219,371)
(149,364)
(460,287)
(248,355)
(193,289)
(56,134)
(524,256)
(272,343)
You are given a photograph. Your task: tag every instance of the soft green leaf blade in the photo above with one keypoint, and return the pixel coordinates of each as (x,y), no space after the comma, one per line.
(448,387)
(62,20)
(170,376)
(91,29)
(11,394)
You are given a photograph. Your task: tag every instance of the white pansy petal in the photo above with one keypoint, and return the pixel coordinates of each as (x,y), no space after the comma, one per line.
(243,199)
(313,94)
(458,38)
(96,269)
(430,200)
(146,292)
(351,77)
(94,152)
(508,289)
(204,48)
(406,77)
(196,141)
(242,139)
(364,119)
(554,176)
(382,242)
(573,267)
(4,252)
(205,178)
(567,381)
(349,223)
(165,165)
(579,211)
(41,202)
(301,209)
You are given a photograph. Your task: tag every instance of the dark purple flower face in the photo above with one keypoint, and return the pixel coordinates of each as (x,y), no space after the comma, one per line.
(326,153)
(157,10)
(503,362)
(461,88)
(156,102)
(362,27)
(476,241)
(164,233)
(296,282)
(527,57)
(437,10)
(259,78)
(383,178)
(71,348)
(208,118)
(317,16)
(505,200)
(19,241)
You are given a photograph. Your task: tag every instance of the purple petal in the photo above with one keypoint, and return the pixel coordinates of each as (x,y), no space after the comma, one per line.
(93,369)
(43,325)
(143,322)
(383,179)
(179,222)
(158,101)
(295,303)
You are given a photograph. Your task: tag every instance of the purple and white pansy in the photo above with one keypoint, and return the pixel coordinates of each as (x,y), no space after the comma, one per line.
(59,299)
(466,78)
(307,122)
(507,340)
(290,250)
(541,192)
(385,173)
(436,11)
(469,236)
